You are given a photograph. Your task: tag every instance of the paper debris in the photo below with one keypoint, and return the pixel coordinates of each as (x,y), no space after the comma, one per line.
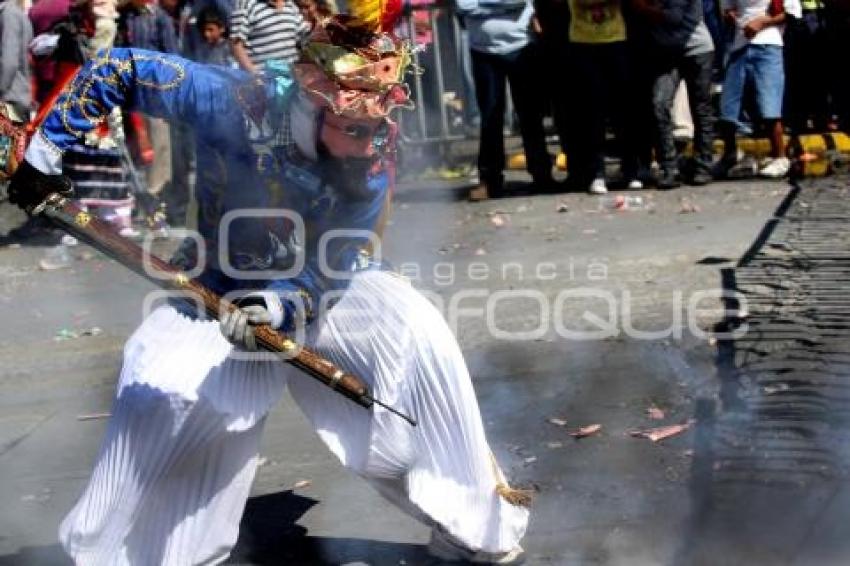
(69,334)
(688,207)
(301,484)
(498,220)
(585,431)
(93,416)
(480,251)
(660,433)
(557,422)
(655,413)
(562,207)
(554,445)
(530,459)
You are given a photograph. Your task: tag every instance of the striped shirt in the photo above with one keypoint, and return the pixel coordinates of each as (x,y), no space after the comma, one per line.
(268,32)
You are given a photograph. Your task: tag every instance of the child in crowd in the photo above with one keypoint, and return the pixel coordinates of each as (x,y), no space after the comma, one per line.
(214,49)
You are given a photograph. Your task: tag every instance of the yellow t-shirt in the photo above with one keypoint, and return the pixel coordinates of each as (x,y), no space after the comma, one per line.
(596,21)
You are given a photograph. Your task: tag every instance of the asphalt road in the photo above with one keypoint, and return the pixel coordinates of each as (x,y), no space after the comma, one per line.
(605,499)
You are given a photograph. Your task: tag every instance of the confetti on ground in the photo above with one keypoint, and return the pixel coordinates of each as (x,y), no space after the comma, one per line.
(498,220)
(586,431)
(662,432)
(93,416)
(69,334)
(655,413)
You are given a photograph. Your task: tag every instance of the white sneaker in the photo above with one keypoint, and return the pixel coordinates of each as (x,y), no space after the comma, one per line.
(776,168)
(598,187)
(635,185)
(446,547)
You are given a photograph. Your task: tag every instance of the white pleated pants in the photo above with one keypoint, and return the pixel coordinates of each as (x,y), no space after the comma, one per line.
(181,448)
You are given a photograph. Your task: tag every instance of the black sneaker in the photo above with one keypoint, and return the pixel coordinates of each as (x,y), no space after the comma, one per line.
(723,166)
(668,180)
(701,177)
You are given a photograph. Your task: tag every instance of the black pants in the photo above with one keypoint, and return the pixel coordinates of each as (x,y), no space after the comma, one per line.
(601,78)
(696,72)
(838,45)
(808,67)
(490,73)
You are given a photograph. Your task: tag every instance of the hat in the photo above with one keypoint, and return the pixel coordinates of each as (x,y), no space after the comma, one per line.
(354,64)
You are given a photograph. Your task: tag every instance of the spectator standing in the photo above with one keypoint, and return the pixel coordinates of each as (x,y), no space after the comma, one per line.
(808,68)
(192,41)
(15,35)
(16,102)
(598,65)
(146,25)
(213,29)
(681,49)
(503,52)
(266,30)
(837,13)
(756,56)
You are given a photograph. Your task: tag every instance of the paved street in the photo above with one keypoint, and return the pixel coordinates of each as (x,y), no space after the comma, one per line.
(606,499)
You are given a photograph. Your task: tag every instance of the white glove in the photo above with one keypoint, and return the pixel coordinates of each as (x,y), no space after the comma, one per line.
(237,326)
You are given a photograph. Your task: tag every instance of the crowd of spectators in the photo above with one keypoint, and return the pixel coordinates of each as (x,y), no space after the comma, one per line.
(596,66)
(618,65)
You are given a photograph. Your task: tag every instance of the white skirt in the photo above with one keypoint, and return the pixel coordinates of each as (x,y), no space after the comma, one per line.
(181,448)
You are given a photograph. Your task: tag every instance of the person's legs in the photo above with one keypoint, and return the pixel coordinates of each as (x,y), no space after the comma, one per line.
(441,471)
(838,42)
(180,451)
(587,139)
(490,78)
(730,109)
(664,87)
(697,71)
(642,114)
(523,71)
(616,75)
(769,82)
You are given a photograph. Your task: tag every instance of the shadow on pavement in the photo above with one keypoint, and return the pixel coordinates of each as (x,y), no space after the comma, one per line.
(269,535)
(51,555)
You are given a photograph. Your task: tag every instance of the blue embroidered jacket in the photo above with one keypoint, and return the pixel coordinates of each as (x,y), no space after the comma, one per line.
(270,218)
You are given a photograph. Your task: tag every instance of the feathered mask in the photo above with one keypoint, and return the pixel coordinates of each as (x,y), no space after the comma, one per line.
(354,65)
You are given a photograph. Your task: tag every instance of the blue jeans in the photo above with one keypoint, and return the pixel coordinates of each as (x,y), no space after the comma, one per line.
(761,65)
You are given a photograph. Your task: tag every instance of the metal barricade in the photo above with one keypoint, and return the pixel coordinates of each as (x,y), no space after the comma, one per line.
(441,84)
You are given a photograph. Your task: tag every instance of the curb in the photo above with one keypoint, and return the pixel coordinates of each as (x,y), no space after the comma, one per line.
(815,155)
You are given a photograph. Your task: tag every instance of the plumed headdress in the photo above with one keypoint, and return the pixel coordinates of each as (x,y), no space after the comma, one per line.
(354,64)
